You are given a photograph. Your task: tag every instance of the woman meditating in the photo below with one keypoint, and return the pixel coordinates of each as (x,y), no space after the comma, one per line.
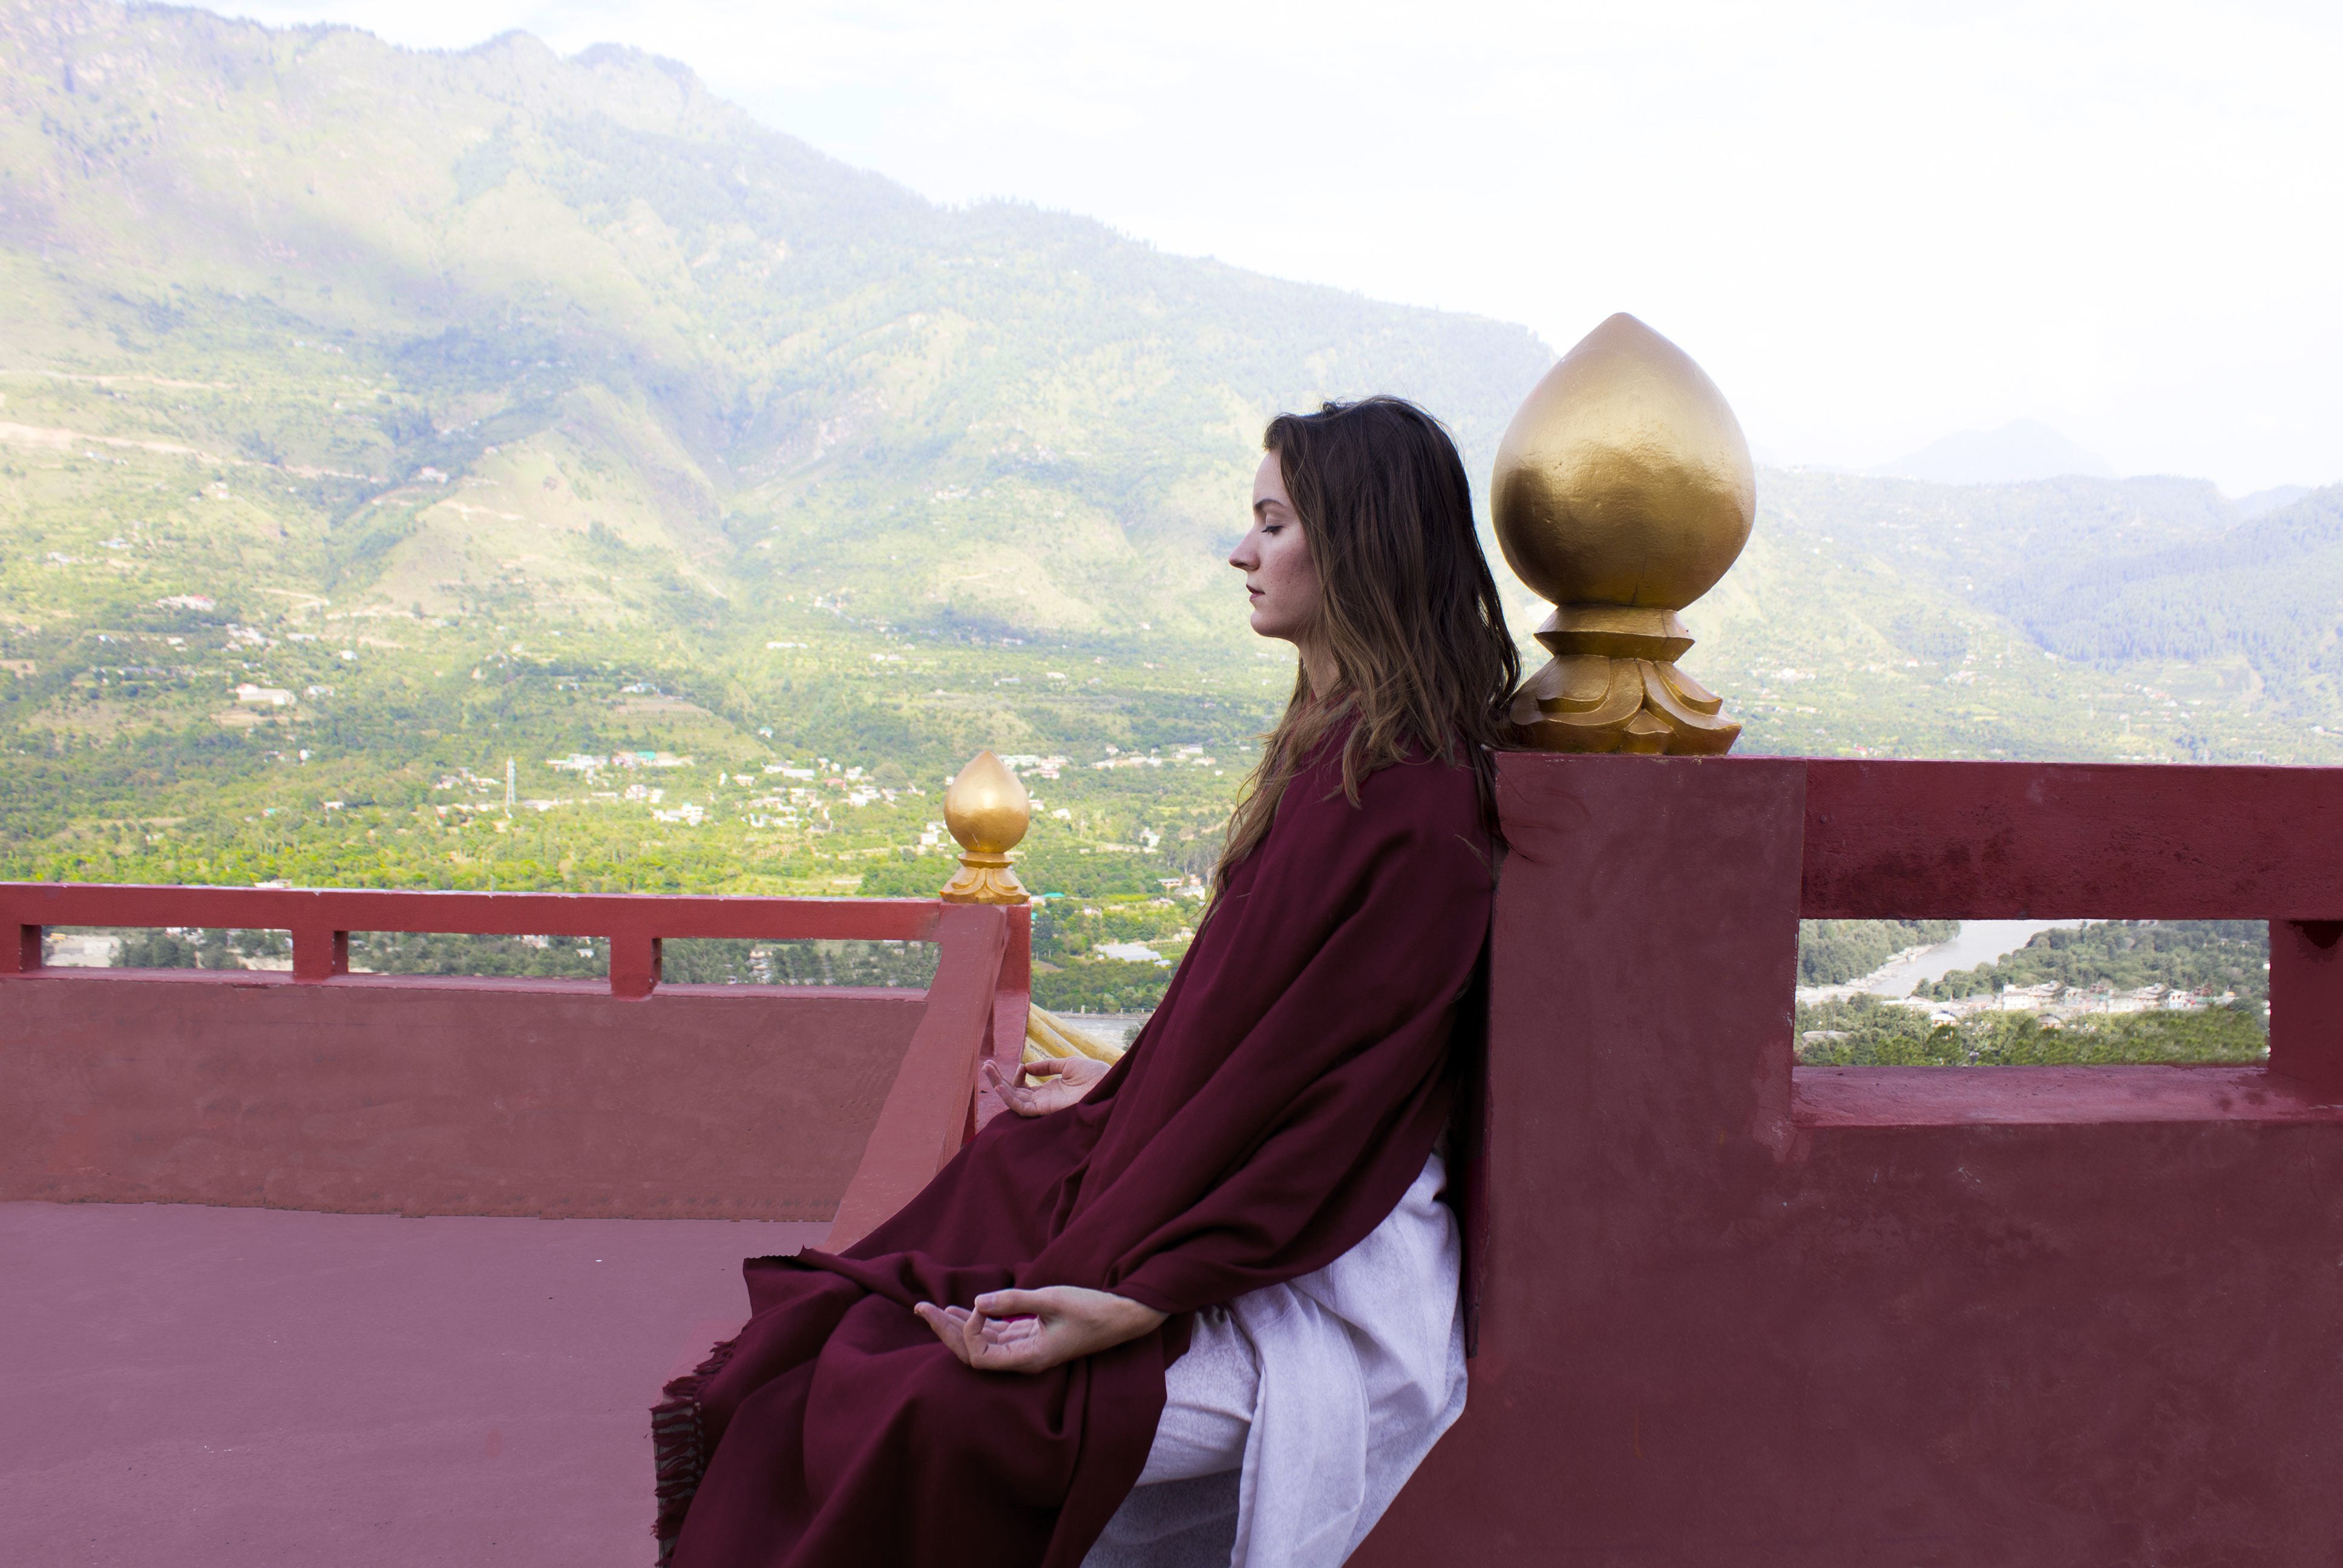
(1203,1307)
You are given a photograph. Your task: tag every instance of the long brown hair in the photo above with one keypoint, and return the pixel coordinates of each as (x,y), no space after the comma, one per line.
(1407,609)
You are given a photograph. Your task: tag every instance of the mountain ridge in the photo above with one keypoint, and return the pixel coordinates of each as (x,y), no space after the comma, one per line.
(2017,453)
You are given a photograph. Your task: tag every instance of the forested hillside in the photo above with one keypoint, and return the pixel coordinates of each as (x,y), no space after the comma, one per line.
(589,294)
(373,419)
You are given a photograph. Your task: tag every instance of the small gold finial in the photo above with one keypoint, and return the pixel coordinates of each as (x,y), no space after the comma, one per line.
(1622,492)
(988,811)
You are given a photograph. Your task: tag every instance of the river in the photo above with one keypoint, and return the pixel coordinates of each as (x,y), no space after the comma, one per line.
(1977,942)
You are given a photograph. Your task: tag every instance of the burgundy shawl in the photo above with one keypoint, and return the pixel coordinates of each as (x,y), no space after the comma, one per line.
(1270,1115)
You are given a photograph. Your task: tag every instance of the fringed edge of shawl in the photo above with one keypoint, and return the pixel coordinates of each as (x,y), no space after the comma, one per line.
(679,1447)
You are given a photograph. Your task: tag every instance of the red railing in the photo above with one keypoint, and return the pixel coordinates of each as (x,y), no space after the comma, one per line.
(321,919)
(373,1040)
(2013,841)
(1733,1310)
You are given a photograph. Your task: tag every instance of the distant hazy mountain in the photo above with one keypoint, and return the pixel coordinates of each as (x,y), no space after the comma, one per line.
(2021,450)
(2270,501)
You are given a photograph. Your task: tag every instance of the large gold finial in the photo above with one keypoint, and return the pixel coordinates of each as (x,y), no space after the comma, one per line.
(988,811)
(1622,492)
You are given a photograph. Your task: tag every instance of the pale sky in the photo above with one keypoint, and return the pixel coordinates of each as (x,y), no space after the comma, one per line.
(1873,224)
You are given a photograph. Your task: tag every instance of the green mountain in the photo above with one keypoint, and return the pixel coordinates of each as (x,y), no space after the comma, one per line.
(373,420)
(596,297)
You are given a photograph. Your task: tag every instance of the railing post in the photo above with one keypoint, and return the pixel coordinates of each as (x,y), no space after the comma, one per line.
(2306,1024)
(635,962)
(1012,994)
(926,1113)
(22,955)
(320,953)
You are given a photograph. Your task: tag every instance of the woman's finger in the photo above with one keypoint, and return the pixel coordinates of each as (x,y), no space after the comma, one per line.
(1019,1358)
(972,1337)
(1014,1304)
(1006,1330)
(955,1340)
(1026,1345)
(1018,1098)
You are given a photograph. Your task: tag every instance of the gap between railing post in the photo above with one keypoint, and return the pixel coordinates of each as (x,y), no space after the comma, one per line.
(2306,993)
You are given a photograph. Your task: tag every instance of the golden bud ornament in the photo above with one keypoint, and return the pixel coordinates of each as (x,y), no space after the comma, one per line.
(1622,492)
(988,811)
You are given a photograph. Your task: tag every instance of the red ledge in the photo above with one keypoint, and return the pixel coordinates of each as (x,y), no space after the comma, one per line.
(2039,1096)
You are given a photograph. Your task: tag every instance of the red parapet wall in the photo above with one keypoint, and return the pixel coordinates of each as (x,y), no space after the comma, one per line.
(329,1091)
(1731,1311)
(1726,1310)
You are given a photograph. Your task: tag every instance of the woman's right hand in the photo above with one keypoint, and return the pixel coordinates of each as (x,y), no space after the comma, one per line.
(1064,1080)
(1033,1331)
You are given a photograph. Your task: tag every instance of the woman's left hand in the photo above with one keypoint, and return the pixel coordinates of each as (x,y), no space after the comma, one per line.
(1064,1080)
(1033,1331)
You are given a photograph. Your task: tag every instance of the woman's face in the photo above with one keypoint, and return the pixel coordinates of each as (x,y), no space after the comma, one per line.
(1274,556)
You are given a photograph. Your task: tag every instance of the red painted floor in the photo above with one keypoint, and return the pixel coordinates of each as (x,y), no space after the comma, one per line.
(251,1387)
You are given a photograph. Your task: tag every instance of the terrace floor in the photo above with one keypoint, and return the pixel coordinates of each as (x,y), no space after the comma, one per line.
(266,1389)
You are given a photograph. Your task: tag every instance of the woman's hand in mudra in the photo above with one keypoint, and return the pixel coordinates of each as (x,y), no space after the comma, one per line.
(1064,1080)
(1033,1331)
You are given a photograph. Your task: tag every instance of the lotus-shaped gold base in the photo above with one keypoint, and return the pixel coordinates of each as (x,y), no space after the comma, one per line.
(985,878)
(1612,685)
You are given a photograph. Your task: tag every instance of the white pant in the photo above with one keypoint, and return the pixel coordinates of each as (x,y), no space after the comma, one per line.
(1300,1410)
